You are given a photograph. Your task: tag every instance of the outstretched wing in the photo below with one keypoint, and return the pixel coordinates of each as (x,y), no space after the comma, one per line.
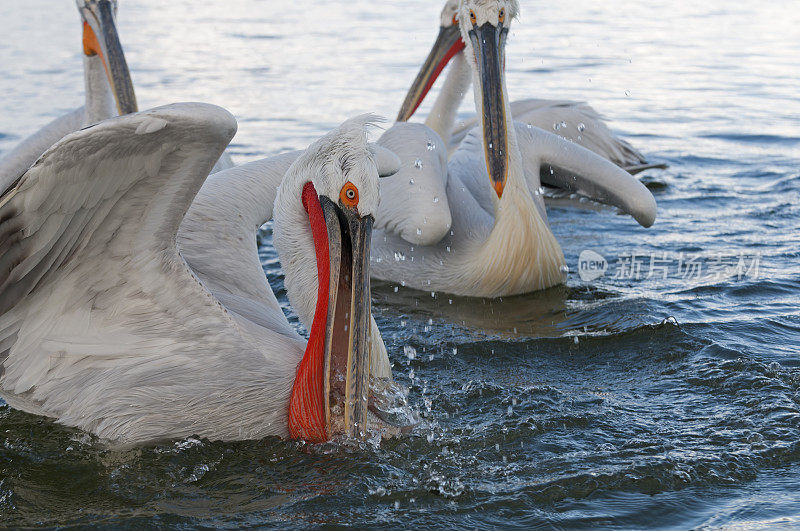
(218,235)
(102,323)
(575,121)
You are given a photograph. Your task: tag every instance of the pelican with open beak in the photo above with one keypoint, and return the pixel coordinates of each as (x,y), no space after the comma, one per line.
(330,393)
(160,323)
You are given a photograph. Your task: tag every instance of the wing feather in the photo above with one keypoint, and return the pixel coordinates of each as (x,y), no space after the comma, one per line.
(102,323)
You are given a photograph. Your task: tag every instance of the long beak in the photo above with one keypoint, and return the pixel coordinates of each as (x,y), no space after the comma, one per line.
(447,45)
(100,19)
(488,41)
(331,390)
(347,340)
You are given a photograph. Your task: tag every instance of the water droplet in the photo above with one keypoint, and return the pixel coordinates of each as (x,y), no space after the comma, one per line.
(403,283)
(455,350)
(431,146)
(430,322)
(396,504)
(435,199)
(418,164)
(497,447)
(411,181)
(576,340)
(402,324)
(419,231)
(510,411)
(398,256)
(410,352)
(564,268)
(628,93)
(395,289)
(581,127)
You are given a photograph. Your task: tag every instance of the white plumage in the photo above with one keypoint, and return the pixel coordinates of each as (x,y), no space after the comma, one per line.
(103,324)
(494,245)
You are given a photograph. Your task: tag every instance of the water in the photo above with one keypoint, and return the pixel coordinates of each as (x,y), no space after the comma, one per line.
(679,403)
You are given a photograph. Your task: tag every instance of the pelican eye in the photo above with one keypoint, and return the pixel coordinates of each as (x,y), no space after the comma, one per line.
(472,17)
(349,195)
(455,19)
(502,15)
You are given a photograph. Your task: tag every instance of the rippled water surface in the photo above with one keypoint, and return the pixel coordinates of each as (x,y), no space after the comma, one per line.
(621,402)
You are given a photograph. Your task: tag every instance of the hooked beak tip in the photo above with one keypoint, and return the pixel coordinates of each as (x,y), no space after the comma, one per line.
(498,188)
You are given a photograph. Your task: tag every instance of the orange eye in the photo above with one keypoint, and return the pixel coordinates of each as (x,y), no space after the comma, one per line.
(349,195)
(502,15)
(455,20)
(472,17)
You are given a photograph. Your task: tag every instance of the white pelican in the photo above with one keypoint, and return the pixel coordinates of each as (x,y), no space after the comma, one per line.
(105,327)
(499,242)
(108,91)
(575,121)
(415,203)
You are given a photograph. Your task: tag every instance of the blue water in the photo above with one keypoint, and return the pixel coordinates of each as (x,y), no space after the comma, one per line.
(621,402)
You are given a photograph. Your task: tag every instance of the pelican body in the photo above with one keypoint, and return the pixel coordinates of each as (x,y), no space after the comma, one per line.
(124,315)
(498,241)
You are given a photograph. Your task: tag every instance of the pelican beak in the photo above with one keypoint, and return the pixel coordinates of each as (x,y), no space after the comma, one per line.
(331,391)
(347,341)
(488,42)
(100,38)
(447,45)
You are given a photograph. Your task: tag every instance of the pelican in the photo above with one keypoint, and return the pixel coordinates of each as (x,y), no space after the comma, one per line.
(415,203)
(575,121)
(104,326)
(108,91)
(498,242)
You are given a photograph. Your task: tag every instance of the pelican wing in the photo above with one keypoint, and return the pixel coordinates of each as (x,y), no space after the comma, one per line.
(218,235)
(102,324)
(566,165)
(414,201)
(16,162)
(575,121)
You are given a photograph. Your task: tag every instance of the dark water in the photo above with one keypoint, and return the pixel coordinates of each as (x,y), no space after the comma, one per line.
(621,402)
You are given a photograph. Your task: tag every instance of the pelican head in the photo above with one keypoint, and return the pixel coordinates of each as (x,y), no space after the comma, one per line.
(100,38)
(484,28)
(447,45)
(328,200)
